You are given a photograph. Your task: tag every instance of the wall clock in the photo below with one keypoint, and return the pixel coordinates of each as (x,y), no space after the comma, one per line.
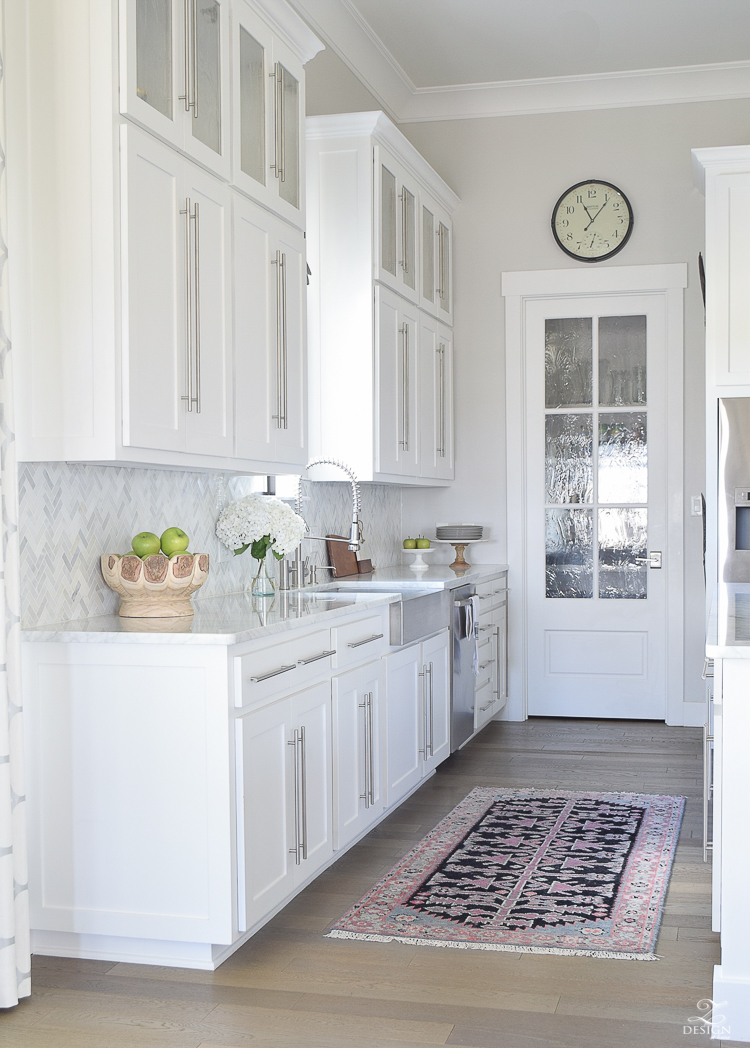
(592,220)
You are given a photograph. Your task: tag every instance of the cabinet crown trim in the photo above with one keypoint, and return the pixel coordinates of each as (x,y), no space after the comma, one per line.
(287,24)
(381,128)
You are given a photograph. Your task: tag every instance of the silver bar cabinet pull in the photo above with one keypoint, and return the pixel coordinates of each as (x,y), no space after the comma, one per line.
(497,661)
(366,795)
(402,198)
(303,778)
(422,675)
(187,38)
(441,366)
(405,388)
(282,123)
(273,673)
(367,640)
(295,850)
(432,716)
(279,325)
(316,658)
(197,261)
(276,165)
(372,749)
(284,355)
(188,308)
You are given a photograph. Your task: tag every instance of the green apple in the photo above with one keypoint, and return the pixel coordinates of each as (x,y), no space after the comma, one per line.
(174,540)
(410,543)
(423,543)
(145,544)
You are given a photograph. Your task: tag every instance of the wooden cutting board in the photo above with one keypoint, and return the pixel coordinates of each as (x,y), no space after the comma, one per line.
(342,560)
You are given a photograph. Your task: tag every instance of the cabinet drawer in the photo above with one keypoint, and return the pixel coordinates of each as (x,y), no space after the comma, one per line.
(492,593)
(282,667)
(360,640)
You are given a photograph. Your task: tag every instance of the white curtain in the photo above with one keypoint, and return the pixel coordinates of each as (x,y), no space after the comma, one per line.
(15,959)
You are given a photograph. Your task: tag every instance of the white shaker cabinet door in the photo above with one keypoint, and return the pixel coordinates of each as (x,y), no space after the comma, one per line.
(436,666)
(311,718)
(209,422)
(435,399)
(291,300)
(397,392)
(265,811)
(155,349)
(255,330)
(357,794)
(396,212)
(404,723)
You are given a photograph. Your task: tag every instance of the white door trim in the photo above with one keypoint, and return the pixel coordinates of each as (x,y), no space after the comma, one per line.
(668,281)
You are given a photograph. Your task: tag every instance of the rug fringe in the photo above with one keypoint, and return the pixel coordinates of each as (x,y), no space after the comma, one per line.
(336,933)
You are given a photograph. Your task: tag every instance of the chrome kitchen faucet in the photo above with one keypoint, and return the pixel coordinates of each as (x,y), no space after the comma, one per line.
(299,566)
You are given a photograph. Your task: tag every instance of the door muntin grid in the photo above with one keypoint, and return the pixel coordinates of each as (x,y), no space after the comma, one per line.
(596,458)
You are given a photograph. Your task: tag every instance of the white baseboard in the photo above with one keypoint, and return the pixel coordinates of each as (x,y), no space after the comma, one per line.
(731,1011)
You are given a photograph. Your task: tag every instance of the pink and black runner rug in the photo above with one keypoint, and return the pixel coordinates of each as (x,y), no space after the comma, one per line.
(531,871)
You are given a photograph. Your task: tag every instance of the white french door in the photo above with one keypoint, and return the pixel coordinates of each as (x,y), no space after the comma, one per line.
(596,506)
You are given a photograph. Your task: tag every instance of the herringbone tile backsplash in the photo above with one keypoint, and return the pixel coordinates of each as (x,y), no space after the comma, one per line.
(71,514)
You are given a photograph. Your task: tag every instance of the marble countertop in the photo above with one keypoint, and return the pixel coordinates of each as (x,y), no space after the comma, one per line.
(728,635)
(230,619)
(236,618)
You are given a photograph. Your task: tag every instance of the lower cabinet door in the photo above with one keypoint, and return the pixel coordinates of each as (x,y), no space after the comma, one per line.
(404,722)
(484,704)
(265,811)
(283,799)
(357,793)
(500,629)
(437,667)
(312,778)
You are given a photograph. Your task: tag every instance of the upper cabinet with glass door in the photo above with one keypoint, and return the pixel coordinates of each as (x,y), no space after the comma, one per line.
(268,91)
(174,74)
(397,205)
(436,250)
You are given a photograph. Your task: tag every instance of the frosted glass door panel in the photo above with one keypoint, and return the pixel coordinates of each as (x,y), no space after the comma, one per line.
(290,127)
(428,255)
(409,238)
(623,457)
(569,458)
(623,540)
(388,220)
(153,44)
(569,552)
(206,122)
(568,348)
(252,107)
(622,361)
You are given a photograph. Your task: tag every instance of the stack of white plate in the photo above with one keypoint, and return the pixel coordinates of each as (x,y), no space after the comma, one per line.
(459,532)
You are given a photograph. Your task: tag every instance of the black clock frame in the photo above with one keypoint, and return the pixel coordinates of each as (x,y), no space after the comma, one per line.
(614,251)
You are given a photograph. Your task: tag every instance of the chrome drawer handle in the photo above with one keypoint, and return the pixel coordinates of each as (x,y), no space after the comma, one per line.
(368,640)
(708,669)
(483,629)
(483,709)
(484,665)
(273,673)
(485,596)
(316,658)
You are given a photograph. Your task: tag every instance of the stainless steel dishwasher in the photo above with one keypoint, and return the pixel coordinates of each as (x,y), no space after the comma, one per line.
(464,647)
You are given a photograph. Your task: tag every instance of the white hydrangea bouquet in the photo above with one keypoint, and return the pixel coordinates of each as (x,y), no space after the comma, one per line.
(260,523)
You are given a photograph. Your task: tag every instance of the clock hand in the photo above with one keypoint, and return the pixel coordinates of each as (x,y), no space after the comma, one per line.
(597,214)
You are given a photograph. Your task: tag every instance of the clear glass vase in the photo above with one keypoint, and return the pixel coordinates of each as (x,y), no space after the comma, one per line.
(263,584)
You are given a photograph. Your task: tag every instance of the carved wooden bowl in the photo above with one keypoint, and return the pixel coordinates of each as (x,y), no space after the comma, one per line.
(156,587)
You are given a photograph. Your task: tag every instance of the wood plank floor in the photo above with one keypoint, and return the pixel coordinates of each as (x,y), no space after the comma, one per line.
(289,987)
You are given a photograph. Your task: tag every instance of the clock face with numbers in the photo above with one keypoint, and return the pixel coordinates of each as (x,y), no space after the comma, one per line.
(592,221)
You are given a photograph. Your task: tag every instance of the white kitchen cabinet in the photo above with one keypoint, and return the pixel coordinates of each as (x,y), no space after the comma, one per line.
(417,729)
(174,74)
(357,733)
(269,337)
(398,374)
(435,399)
(177,349)
(365,184)
(396,207)
(269,104)
(122,293)
(491,693)
(436,246)
(284,799)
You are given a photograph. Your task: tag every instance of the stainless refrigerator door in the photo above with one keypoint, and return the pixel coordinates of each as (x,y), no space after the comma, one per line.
(734,490)
(462,721)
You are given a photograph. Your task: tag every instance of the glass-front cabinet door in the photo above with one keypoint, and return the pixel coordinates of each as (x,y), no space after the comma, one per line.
(174,74)
(398,214)
(436,276)
(268,99)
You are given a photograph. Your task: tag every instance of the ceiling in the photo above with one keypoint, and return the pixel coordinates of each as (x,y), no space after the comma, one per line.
(437,59)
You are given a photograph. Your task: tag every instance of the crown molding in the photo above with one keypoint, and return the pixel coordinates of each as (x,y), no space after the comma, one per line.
(344,30)
(291,28)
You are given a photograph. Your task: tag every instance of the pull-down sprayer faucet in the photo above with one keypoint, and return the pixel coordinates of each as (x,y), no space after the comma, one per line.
(355,533)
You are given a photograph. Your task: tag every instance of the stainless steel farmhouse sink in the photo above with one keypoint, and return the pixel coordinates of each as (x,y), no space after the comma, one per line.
(418,613)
